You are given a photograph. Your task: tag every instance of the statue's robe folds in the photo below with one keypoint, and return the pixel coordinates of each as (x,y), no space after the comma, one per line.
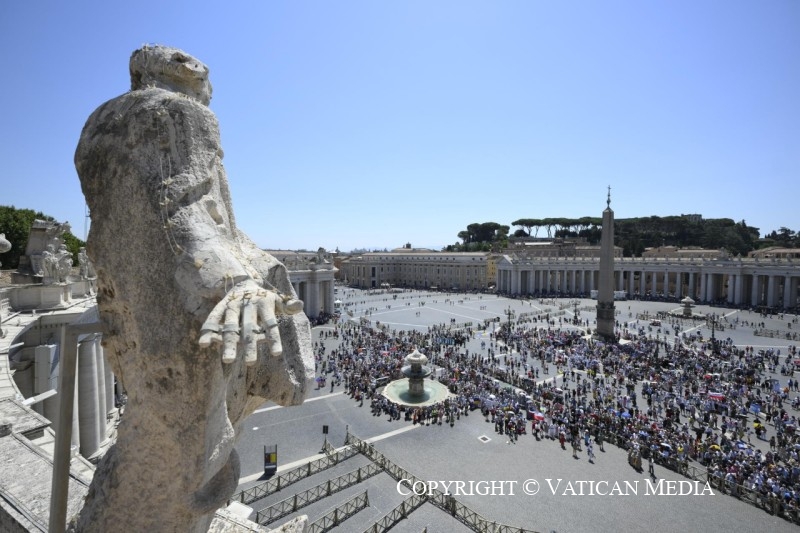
(166,249)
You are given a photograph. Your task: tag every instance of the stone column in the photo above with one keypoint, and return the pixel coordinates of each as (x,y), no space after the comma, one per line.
(755,293)
(679,285)
(76,427)
(703,286)
(738,289)
(331,297)
(711,287)
(666,283)
(731,296)
(793,282)
(102,409)
(43,381)
(111,407)
(88,398)
(312,293)
(620,281)
(692,292)
(771,290)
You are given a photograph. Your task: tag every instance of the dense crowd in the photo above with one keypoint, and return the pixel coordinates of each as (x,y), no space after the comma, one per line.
(675,397)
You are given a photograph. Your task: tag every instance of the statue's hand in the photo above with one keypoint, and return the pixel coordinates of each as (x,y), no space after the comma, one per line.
(245,316)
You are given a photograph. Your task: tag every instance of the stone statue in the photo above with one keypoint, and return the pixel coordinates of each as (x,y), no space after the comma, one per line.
(83,264)
(49,266)
(175,277)
(5,245)
(63,260)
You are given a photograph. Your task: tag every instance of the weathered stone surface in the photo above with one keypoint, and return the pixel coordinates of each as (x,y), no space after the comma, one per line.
(166,250)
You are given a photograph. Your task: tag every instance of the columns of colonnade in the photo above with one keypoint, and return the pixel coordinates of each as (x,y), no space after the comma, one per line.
(111,405)
(76,412)
(88,398)
(731,298)
(100,378)
(789,291)
(738,284)
(755,290)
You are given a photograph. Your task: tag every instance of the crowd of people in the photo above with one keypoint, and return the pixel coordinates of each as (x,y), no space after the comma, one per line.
(670,397)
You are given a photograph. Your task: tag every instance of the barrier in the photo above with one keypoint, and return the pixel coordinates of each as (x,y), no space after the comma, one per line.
(443,501)
(340,514)
(271,486)
(767,502)
(397,514)
(288,506)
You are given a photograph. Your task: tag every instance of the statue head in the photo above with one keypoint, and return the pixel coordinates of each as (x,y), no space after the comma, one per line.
(171,69)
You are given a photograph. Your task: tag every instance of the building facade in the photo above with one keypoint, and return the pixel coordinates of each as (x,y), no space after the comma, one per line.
(418,269)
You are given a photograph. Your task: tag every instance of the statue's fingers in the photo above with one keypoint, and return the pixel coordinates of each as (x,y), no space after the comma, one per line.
(274,340)
(230,343)
(208,337)
(250,349)
(250,331)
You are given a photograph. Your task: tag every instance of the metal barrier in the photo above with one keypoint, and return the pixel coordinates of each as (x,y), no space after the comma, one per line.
(302,499)
(397,514)
(443,501)
(271,486)
(340,514)
(767,502)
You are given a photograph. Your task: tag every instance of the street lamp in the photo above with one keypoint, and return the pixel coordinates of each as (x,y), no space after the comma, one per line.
(713,321)
(509,313)
(576,312)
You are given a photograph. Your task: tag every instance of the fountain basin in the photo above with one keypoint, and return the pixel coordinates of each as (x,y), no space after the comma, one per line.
(432,392)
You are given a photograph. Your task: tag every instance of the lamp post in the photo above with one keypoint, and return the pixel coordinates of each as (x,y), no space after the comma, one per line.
(510,314)
(713,321)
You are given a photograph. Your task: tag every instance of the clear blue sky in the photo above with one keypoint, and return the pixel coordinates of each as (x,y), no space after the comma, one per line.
(372,124)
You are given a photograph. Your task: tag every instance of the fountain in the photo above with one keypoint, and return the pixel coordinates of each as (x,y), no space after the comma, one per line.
(685,311)
(414,390)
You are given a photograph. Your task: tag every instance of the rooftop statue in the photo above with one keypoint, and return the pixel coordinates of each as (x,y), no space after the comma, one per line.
(200,325)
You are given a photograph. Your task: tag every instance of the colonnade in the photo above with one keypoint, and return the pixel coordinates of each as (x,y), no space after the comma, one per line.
(94,398)
(748,282)
(317,295)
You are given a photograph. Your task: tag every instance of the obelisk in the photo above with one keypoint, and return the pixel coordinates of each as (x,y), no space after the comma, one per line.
(605,290)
